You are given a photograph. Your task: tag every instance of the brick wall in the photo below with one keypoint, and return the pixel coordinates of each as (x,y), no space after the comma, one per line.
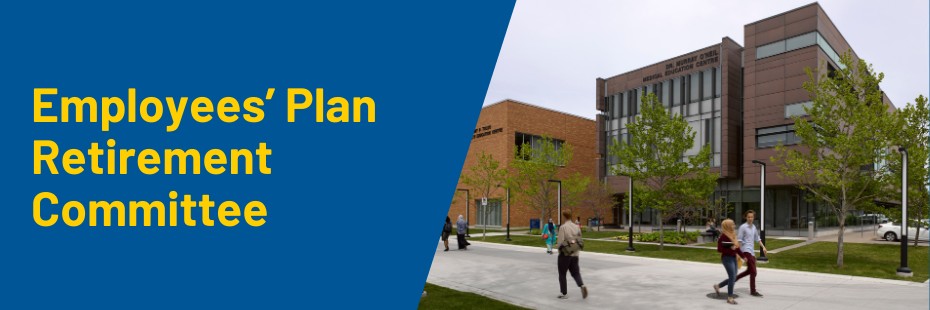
(516,117)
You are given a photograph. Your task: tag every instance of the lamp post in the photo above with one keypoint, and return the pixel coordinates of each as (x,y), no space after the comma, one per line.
(508,212)
(762,259)
(559,215)
(630,194)
(904,271)
(466,212)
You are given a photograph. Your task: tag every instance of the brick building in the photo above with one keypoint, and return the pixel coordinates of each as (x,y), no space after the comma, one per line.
(503,125)
(740,100)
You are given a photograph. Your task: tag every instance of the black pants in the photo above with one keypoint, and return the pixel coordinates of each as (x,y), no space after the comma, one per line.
(568,263)
(462,242)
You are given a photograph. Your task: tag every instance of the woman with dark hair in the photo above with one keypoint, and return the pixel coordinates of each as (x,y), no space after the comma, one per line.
(549,229)
(446,230)
(712,228)
(729,247)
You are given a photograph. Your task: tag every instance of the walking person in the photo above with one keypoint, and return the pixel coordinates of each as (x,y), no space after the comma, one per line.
(570,244)
(549,229)
(712,228)
(461,226)
(728,255)
(446,230)
(748,235)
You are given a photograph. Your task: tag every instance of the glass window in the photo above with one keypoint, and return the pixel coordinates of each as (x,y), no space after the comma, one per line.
(768,137)
(771,140)
(618,105)
(797,109)
(676,91)
(763,131)
(800,41)
(664,96)
(718,82)
(770,49)
(695,87)
(639,100)
(708,85)
(687,89)
(624,109)
(649,90)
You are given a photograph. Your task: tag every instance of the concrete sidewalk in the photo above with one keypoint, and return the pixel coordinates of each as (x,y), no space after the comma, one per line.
(527,276)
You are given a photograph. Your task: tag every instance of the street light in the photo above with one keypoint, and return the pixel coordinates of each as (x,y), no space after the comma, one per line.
(508,212)
(466,212)
(559,215)
(762,259)
(903,271)
(630,194)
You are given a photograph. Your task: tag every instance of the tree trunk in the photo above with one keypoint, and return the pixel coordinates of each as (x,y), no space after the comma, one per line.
(839,243)
(485,233)
(661,236)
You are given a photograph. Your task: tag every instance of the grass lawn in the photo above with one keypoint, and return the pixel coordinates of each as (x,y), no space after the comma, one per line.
(866,260)
(438,297)
(603,234)
(771,244)
(479,230)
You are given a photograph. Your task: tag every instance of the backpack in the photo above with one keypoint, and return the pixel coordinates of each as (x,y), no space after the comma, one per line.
(567,248)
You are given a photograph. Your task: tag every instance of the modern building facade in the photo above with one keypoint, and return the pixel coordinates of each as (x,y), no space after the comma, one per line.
(740,100)
(502,126)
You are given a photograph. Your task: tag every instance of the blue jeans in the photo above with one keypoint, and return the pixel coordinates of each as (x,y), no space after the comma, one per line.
(729,263)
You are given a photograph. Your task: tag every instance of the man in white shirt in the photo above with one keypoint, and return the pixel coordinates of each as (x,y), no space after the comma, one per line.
(748,235)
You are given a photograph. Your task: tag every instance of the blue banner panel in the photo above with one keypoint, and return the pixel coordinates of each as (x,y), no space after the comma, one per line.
(321,140)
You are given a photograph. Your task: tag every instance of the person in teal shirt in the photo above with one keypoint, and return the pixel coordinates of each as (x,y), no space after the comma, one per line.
(550,230)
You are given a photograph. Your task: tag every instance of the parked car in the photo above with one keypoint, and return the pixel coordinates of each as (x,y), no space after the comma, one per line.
(890,231)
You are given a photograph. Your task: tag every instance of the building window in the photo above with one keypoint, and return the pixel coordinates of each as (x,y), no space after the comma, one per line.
(618,105)
(695,86)
(638,100)
(796,42)
(676,91)
(718,82)
(522,140)
(771,136)
(708,86)
(664,97)
(797,109)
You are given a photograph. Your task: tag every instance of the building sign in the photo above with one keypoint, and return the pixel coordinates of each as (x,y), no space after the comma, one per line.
(686,63)
(485,131)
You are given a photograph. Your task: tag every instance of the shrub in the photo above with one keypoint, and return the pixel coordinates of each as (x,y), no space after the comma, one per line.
(535,232)
(670,237)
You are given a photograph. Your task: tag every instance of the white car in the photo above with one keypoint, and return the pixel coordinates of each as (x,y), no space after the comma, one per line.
(890,231)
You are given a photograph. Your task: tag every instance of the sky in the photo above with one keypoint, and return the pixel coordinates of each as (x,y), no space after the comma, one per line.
(554,50)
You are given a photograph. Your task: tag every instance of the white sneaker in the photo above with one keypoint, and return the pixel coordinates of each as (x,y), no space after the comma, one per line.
(563,296)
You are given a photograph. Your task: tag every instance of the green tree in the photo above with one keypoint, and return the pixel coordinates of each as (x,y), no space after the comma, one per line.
(597,198)
(914,123)
(655,159)
(533,168)
(573,193)
(691,197)
(484,179)
(850,129)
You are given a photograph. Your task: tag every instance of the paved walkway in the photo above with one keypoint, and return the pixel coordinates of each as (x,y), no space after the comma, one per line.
(527,276)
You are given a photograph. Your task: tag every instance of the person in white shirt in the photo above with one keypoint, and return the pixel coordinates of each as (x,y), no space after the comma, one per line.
(748,236)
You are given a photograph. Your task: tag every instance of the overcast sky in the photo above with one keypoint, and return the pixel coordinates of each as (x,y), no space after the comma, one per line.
(554,50)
